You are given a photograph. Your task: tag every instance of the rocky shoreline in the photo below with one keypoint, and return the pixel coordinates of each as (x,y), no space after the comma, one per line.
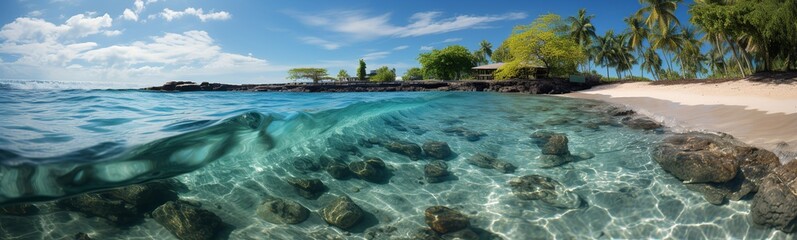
(539,86)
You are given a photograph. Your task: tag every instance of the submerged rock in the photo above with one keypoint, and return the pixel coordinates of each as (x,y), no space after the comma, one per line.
(642,123)
(22,209)
(717,166)
(308,188)
(436,171)
(775,204)
(486,161)
(338,170)
(615,111)
(282,211)
(445,220)
(187,222)
(123,206)
(437,150)
(342,213)
(82,236)
(468,134)
(372,169)
(305,164)
(537,187)
(411,150)
(555,151)
(146,197)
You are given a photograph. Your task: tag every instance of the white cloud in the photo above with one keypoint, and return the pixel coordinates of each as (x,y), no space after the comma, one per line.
(375,55)
(427,48)
(357,24)
(402,47)
(112,33)
(450,40)
(139,4)
(36,13)
(26,30)
(170,15)
(320,42)
(129,15)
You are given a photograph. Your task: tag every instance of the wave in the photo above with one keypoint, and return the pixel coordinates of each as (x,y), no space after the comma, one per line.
(9,84)
(111,165)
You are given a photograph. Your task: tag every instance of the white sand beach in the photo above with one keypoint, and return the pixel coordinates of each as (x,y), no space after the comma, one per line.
(759,113)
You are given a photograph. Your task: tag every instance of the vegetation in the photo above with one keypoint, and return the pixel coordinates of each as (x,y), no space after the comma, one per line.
(501,54)
(483,54)
(413,74)
(314,74)
(361,71)
(342,75)
(384,74)
(546,43)
(450,63)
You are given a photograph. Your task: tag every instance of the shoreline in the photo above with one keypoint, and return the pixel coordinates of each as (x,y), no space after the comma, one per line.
(760,114)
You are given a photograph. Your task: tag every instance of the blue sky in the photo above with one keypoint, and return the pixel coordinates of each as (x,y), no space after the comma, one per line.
(152,41)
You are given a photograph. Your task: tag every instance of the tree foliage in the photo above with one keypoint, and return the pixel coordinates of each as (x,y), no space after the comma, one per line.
(314,74)
(384,74)
(501,54)
(361,71)
(342,75)
(450,63)
(546,43)
(413,74)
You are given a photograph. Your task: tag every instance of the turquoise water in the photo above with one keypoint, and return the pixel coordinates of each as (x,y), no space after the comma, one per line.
(235,149)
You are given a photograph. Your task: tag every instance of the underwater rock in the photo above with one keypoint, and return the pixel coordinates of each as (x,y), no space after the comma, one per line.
(436,171)
(549,161)
(426,234)
(642,123)
(308,188)
(22,209)
(342,213)
(338,170)
(464,234)
(405,148)
(437,150)
(615,111)
(305,164)
(82,236)
(282,211)
(146,197)
(381,232)
(445,220)
(469,135)
(775,204)
(486,161)
(537,187)
(100,205)
(555,151)
(187,222)
(372,169)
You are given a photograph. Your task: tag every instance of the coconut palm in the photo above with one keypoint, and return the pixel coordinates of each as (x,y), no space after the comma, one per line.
(486,48)
(659,12)
(690,58)
(668,40)
(603,50)
(651,62)
(582,30)
(624,60)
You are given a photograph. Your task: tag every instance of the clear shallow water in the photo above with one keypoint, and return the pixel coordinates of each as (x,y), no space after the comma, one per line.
(235,149)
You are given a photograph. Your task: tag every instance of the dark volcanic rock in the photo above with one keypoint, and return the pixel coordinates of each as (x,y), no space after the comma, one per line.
(436,171)
(372,169)
(342,213)
(775,204)
(486,161)
(22,209)
(437,150)
(640,123)
(281,211)
(187,222)
(537,187)
(405,148)
(116,211)
(717,166)
(338,170)
(445,220)
(146,197)
(308,188)
(306,164)
(82,236)
(555,150)
(615,111)
(468,134)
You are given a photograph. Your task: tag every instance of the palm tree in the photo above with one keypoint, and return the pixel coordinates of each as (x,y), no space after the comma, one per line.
(623,58)
(659,12)
(603,50)
(651,62)
(637,34)
(668,40)
(486,48)
(690,58)
(582,30)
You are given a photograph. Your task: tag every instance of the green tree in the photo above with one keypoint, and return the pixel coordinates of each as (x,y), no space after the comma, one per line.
(384,74)
(546,43)
(501,54)
(413,74)
(603,50)
(690,58)
(659,13)
(449,63)
(668,40)
(361,71)
(651,62)
(622,54)
(484,53)
(314,74)
(582,30)
(342,75)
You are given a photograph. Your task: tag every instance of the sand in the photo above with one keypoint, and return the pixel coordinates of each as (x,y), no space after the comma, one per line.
(760,114)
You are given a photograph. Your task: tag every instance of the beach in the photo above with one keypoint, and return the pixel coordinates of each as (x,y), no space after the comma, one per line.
(760,113)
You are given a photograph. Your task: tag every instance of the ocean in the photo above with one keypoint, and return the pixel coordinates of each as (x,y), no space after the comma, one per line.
(234,150)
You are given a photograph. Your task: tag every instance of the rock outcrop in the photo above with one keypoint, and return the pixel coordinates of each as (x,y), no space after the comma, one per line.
(775,204)
(551,192)
(411,150)
(342,213)
(437,150)
(554,148)
(308,188)
(187,222)
(486,161)
(282,211)
(445,220)
(123,206)
(718,166)
(372,170)
(436,171)
(22,209)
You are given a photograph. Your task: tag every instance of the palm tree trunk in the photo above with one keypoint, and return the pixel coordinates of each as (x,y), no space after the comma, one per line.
(735,55)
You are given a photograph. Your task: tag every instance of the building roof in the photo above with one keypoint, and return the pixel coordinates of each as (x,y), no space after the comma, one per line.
(495,66)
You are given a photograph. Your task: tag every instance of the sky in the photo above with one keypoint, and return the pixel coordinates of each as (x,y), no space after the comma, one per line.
(149,42)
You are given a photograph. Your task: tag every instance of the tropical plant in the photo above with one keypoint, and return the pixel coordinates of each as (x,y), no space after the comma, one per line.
(361,71)
(669,40)
(342,75)
(384,74)
(545,43)
(622,55)
(651,62)
(603,50)
(314,74)
(413,74)
(659,13)
(501,54)
(450,63)
(582,31)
